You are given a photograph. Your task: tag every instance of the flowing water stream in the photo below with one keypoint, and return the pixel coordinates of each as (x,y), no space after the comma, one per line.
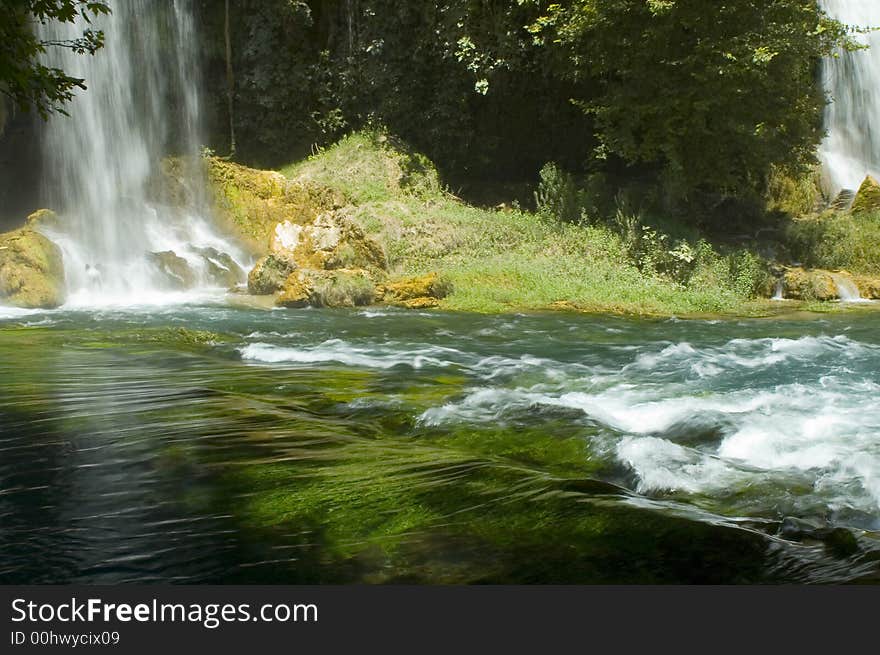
(222,444)
(146,440)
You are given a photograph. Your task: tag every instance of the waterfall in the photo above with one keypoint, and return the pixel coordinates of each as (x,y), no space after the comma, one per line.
(779,290)
(852,148)
(142,103)
(847,290)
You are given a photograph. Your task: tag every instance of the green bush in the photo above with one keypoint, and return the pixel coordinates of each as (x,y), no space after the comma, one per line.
(558,195)
(694,265)
(794,196)
(836,240)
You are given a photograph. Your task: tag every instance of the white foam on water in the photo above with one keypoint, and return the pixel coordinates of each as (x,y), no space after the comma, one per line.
(823,425)
(341,352)
(9,312)
(748,354)
(102,161)
(665,466)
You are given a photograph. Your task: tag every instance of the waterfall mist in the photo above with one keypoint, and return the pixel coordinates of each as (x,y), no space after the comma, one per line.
(142,103)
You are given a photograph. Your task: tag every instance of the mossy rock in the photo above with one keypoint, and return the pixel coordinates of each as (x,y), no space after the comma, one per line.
(318,288)
(329,242)
(31,270)
(867,198)
(270,275)
(43,219)
(424,286)
(249,203)
(297,291)
(869,287)
(342,288)
(426,302)
(801,284)
(175,270)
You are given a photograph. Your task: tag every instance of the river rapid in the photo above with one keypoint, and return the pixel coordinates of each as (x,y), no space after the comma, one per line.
(212,443)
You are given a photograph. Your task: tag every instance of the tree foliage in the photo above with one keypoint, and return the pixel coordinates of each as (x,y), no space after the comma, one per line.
(713,95)
(24,80)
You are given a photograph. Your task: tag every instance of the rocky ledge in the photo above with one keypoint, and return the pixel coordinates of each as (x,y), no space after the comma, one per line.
(823,285)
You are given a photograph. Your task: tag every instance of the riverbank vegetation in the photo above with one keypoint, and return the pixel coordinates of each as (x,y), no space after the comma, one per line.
(623,156)
(507,257)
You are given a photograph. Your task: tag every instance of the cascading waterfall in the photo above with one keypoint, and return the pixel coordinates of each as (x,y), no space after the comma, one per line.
(847,290)
(852,148)
(779,290)
(142,103)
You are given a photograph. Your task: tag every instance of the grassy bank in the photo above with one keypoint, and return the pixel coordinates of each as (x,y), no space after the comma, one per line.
(506,258)
(561,256)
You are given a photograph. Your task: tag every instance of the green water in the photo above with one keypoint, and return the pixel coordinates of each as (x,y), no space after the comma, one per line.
(230,445)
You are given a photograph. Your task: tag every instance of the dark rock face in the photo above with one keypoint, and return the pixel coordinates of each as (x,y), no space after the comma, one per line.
(221,268)
(269,275)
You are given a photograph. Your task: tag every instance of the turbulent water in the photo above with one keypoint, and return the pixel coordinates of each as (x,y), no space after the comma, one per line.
(852,149)
(147,441)
(222,444)
(101,166)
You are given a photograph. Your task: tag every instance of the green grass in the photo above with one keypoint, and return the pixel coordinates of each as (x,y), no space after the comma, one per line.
(505,260)
(368,167)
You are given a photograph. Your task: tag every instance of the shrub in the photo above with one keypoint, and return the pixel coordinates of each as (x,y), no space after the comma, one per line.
(558,194)
(837,240)
(794,196)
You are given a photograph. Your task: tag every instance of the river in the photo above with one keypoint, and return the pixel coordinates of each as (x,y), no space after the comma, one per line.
(213,443)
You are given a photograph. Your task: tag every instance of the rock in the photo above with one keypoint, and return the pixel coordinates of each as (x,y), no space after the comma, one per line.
(326,232)
(175,270)
(564,306)
(297,291)
(843,201)
(420,303)
(421,288)
(796,529)
(43,219)
(286,238)
(342,288)
(31,270)
(221,267)
(869,287)
(250,203)
(339,288)
(801,284)
(329,242)
(840,542)
(421,292)
(867,197)
(270,275)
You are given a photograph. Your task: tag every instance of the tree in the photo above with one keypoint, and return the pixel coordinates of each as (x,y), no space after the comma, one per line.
(230,78)
(713,94)
(24,80)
